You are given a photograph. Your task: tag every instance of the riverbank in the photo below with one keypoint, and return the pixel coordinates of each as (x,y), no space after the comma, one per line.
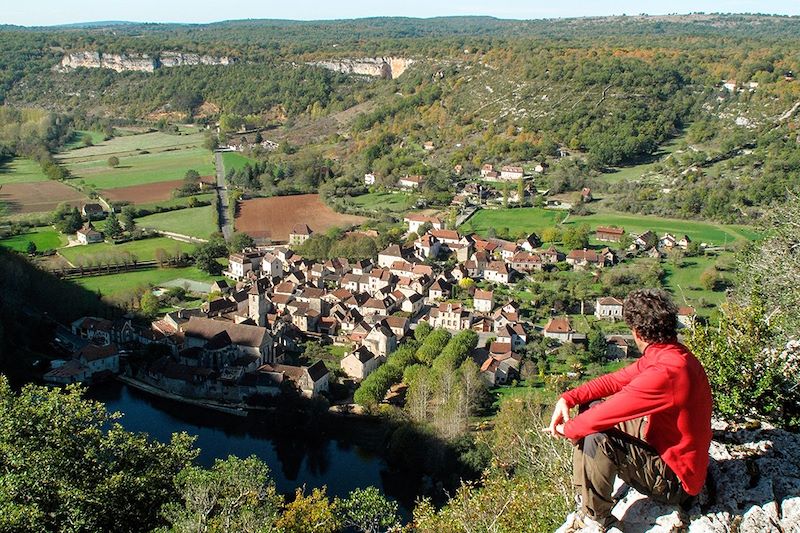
(238,410)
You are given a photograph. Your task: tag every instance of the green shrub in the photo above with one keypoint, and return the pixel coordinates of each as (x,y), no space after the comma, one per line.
(747,377)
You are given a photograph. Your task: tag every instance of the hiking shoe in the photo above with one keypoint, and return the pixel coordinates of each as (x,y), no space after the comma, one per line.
(583,523)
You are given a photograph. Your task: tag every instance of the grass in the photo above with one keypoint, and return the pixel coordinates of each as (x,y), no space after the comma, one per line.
(531,219)
(708,232)
(144,250)
(635,172)
(524,219)
(114,284)
(684,282)
(130,144)
(45,238)
(385,201)
(232,160)
(76,141)
(20,170)
(142,168)
(180,201)
(195,222)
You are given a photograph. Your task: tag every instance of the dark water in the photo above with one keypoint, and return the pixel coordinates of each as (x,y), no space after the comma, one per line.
(295,461)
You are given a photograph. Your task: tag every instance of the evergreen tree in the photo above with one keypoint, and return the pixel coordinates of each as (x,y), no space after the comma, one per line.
(113,227)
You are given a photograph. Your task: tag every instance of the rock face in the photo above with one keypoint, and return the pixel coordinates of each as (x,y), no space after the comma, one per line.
(136,62)
(754,486)
(382,67)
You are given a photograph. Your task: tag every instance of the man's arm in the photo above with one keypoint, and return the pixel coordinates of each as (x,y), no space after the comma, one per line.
(648,393)
(603,386)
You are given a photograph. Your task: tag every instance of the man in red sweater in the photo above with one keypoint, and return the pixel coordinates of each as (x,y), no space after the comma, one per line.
(653,425)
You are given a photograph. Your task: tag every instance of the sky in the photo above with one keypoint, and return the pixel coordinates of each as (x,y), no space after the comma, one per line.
(50,12)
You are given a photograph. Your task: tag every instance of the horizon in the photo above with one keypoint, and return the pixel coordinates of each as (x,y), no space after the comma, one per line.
(98,13)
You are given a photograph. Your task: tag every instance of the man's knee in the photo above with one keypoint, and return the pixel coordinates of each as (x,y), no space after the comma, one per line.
(594,443)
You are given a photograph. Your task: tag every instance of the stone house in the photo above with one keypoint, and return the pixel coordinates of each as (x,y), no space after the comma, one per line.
(609,233)
(559,328)
(249,340)
(88,235)
(359,363)
(483,301)
(299,234)
(608,308)
(497,272)
(450,316)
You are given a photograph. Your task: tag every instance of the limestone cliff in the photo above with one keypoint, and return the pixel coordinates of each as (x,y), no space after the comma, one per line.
(136,62)
(754,486)
(382,67)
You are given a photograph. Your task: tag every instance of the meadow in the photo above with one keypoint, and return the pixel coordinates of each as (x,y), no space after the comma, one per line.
(132,144)
(235,161)
(45,238)
(384,201)
(195,222)
(143,250)
(531,219)
(21,170)
(115,284)
(140,169)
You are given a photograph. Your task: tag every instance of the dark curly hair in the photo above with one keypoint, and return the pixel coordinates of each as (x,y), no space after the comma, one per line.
(653,314)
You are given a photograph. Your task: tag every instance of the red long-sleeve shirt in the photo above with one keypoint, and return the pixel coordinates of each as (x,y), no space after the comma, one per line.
(668,385)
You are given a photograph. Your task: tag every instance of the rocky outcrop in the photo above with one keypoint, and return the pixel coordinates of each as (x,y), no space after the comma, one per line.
(136,62)
(382,67)
(753,486)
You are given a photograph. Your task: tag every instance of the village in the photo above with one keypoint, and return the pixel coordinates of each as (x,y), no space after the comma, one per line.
(246,343)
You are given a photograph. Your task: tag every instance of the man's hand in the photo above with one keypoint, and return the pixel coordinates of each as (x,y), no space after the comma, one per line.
(560,417)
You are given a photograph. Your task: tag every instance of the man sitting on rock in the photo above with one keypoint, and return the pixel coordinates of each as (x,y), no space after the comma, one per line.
(648,423)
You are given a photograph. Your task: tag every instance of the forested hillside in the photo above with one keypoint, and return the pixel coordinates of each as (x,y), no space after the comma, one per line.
(586,96)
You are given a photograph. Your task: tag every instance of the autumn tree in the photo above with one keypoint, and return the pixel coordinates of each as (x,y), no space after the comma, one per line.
(233,495)
(68,465)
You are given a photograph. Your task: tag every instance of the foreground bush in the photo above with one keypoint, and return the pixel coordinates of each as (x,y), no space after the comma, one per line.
(748,376)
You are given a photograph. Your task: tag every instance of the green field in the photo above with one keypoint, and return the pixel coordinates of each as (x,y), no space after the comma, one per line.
(684,282)
(117,283)
(144,250)
(636,172)
(141,169)
(130,144)
(76,141)
(525,219)
(45,238)
(20,170)
(235,161)
(708,232)
(535,220)
(384,201)
(195,222)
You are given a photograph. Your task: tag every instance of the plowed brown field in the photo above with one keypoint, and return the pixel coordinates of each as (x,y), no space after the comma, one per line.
(143,194)
(38,197)
(273,218)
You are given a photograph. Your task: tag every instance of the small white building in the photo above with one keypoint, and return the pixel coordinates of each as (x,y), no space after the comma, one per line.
(483,301)
(559,328)
(369,179)
(511,173)
(271,265)
(608,308)
(88,235)
(497,272)
(411,182)
(299,234)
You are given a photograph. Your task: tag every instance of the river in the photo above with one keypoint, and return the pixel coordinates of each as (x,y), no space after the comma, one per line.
(294,461)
